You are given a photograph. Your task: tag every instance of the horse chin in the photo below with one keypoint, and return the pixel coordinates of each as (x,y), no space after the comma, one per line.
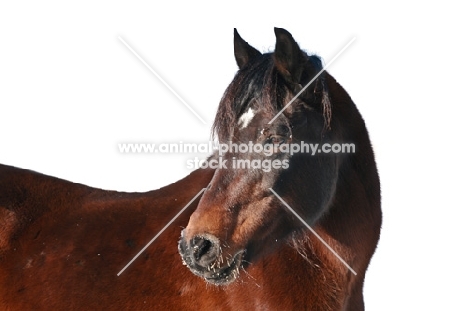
(225,274)
(216,274)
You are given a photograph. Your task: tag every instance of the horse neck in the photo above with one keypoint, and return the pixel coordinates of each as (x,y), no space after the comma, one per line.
(353,217)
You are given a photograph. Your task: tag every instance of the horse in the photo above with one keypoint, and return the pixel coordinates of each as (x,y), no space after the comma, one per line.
(234,247)
(298,235)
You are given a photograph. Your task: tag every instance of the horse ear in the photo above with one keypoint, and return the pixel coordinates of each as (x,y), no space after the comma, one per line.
(243,51)
(288,57)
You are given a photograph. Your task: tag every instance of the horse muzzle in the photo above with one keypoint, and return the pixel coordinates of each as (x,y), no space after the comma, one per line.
(203,255)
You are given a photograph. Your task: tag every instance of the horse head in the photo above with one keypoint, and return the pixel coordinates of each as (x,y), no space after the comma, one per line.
(276,100)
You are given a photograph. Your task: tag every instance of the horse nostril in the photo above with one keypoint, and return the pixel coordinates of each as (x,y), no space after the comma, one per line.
(200,247)
(205,250)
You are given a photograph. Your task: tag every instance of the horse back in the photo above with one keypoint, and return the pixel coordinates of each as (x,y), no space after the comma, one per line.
(62,244)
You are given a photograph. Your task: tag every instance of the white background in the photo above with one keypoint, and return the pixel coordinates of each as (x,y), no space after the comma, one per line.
(70,91)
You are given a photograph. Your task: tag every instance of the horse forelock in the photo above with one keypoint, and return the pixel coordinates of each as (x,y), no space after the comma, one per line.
(262,83)
(257,83)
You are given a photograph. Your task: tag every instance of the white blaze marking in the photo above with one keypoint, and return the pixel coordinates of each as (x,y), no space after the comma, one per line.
(245,119)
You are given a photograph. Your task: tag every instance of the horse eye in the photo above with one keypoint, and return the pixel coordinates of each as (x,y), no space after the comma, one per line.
(275,140)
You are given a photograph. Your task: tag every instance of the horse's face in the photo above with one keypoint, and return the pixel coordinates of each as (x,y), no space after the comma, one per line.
(238,218)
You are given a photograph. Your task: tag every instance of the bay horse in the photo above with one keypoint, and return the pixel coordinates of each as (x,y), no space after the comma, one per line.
(62,244)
